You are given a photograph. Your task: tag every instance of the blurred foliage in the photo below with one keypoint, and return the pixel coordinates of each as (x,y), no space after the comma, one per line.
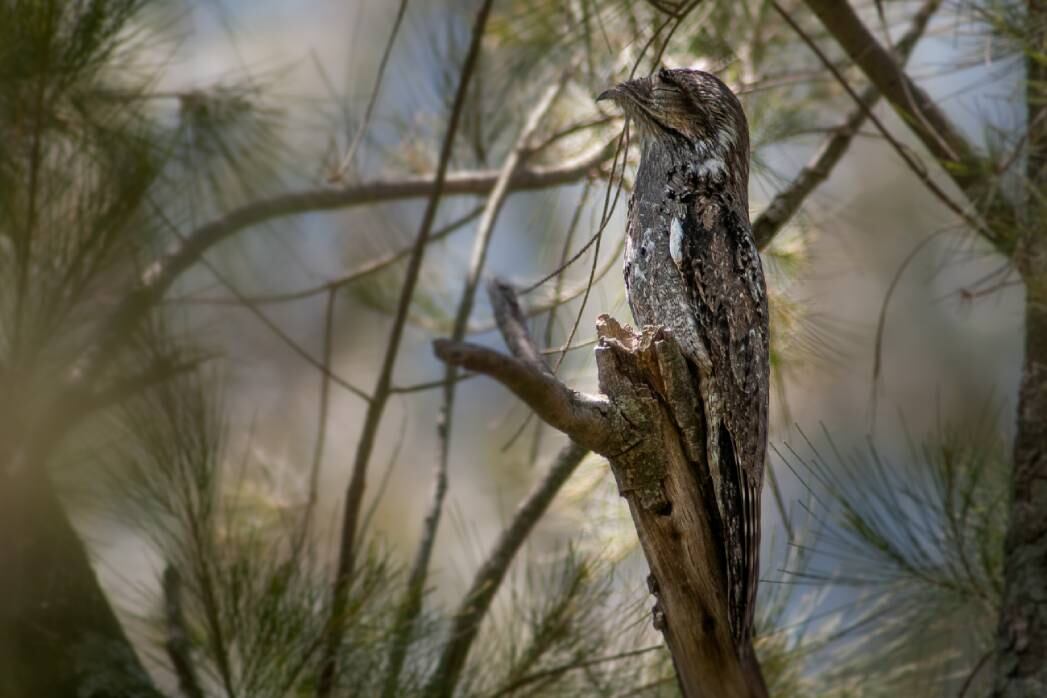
(919,540)
(229,143)
(77,170)
(255,602)
(894,571)
(257,599)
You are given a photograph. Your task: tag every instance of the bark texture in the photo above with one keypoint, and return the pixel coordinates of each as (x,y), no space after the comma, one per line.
(645,423)
(1021,656)
(666,480)
(1021,660)
(938,134)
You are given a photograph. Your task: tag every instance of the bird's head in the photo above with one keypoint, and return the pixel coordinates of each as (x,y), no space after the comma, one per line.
(689,111)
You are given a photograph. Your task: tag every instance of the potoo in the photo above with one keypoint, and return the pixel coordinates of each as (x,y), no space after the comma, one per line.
(692,266)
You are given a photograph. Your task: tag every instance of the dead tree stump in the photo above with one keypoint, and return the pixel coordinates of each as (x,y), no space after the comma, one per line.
(647,423)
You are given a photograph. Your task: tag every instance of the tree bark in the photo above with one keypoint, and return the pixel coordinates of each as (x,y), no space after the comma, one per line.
(1021,652)
(647,424)
(647,377)
(1021,657)
(934,129)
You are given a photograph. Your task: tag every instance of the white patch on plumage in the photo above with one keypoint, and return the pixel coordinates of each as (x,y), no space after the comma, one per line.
(711,166)
(676,241)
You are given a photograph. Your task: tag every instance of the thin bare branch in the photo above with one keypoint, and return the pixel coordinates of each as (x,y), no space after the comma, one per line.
(321,418)
(394,458)
(427,385)
(960,161)
(375,409)
(513,325)
(579,415)
(969,681)
(550,321)
(552,351)
(572,227)
(163,272)
(412,603)
(881,323)
(934,129)
(280,334)
(361,272)
(958,157)
(590,123)
(605,218)
(386,52)
(488,579)
(788,201)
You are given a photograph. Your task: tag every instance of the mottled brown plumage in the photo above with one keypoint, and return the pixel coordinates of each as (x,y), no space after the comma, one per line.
(692,266)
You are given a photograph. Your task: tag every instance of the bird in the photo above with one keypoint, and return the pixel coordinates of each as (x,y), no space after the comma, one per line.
(693,267)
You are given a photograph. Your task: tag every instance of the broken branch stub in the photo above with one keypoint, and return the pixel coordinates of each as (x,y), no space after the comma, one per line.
(647,423)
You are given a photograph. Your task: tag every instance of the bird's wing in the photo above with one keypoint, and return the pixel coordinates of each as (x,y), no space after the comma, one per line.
(730,306)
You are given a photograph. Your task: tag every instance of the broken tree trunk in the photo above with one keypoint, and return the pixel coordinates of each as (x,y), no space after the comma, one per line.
(647,423)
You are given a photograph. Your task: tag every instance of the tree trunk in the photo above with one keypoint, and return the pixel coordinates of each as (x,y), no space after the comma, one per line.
(1021,652)
(664,477)
(58,634)
(648,424)
(1021,663)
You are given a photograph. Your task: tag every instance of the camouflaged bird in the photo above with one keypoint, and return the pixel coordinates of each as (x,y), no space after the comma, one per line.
(692,266)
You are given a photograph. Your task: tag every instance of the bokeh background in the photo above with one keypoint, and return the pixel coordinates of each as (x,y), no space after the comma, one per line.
(950,354)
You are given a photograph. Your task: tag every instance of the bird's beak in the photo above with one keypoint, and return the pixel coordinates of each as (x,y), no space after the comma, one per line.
(611,94)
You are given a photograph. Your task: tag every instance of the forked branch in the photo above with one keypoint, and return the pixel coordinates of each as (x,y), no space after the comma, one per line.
(789,200)
(644,424)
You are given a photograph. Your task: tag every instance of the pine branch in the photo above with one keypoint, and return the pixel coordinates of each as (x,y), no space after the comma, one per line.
(513,687)
(930,124)
(789,200)
(476,602)
(914,164)
(380,395)
(412,604)
(942,139)
(178,644)
(163,272)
